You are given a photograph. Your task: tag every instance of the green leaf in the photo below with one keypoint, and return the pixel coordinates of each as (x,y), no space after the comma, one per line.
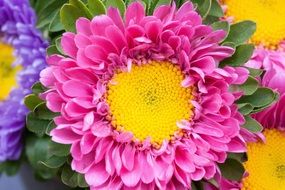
(117,4)
(47,13)
(36,151)
(241,157)
(51,50)
(68,16)
(31,101)
(50,127)
(11,168)
(58,45)
(248,88)
(38,88)
(232,169)
(72,179)
(57,149)
(81,181)
(242,54)
(241,32)
(54,162)
(82,7)
(216,9)
(96,7)
(42,112)
(36,125)
(252,125)
(260,98)
(245,108)
(204,7)
(255,72)
(55,24)
(276,97)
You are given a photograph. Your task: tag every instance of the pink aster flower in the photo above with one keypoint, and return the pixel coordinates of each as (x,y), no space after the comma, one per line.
(142,100)
(273,62)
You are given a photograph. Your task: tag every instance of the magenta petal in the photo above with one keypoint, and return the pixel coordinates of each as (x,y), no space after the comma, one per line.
(83,26)
(131,178)
(97,174)
(134,13)
(128,157)
(68,45)
(100,23)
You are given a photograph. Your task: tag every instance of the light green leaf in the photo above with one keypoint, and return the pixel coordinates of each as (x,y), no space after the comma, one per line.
(68,16)
(252,125)
(241,32)
(245,108)
(96,7)
(55,24)
(82,7)
(242,54)
(204,7)
(255,72)
(260,98)
(117,4)
(216,9)
(248,88)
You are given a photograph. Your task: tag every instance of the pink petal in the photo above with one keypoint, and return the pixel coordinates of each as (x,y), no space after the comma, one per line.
(68,45)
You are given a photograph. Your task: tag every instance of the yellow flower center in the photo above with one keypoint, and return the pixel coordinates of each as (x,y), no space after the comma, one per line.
(266,163)
(7,72)
(149,101)
(268,14)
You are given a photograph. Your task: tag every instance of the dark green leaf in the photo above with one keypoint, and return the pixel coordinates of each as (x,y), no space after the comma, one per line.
(241,32)
(38,88)
(241,157)
(54,162)
(42,112)
(31,101)
(51,50)
(242,54)
(96,7)
(232,169)
(252,125)
(50,127)
(36,125)
(72,179)
(58,149)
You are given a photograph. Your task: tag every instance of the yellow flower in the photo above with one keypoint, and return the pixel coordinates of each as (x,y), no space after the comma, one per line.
(7,72)
(266,163)
(268,14)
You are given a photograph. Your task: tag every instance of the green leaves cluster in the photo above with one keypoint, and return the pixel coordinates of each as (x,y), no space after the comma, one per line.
(48,159)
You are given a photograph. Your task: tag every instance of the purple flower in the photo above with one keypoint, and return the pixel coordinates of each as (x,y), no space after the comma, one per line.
(18,29)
